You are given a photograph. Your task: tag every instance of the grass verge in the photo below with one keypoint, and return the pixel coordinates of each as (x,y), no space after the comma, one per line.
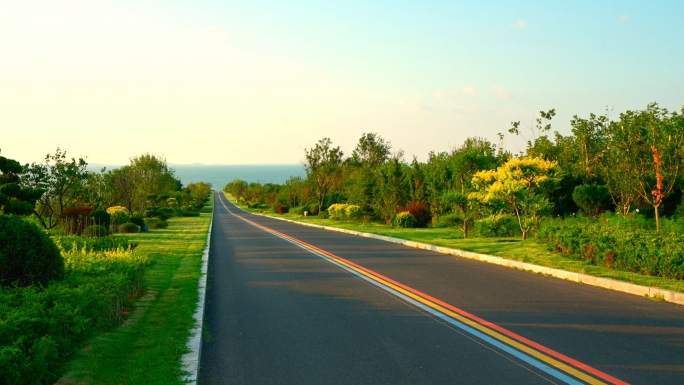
(147,348)
(529,251)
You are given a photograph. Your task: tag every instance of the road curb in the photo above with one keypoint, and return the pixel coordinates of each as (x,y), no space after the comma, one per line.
(190,361)
(606,283)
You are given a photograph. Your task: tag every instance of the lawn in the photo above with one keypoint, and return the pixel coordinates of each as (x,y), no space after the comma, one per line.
(147,348)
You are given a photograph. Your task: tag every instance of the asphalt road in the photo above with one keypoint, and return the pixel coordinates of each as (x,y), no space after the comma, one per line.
(363,311)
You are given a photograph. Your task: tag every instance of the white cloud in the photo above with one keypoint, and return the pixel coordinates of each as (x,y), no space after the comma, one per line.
(623,18)
(521,24)
(469,90)
(501,93)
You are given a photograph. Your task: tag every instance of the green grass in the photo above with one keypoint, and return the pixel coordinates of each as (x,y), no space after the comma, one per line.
(511,248)
(147,348)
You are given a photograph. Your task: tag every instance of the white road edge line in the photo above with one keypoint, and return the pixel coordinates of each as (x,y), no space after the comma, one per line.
(190,361)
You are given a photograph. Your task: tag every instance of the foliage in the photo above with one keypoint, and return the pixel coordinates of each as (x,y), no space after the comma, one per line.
(156,223)
(337,211)
(27,255)
(280,209)
(100,217)
(497,225)
(419,211)
(591,198)
(43,326)
(63,182)
(75,219)
(15,199)
(323,168)
(128,228)
(138,220)
(95,231)
(69,244)
(519,185)
(619,243)
(404,220)
(119,215)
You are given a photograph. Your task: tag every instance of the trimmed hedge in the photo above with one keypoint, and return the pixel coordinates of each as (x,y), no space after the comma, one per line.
(129,228)
(27,255)
(95,231)
(404,220)
(621,244)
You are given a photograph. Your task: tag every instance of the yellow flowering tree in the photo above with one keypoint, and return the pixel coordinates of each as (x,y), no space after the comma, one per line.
(519,186)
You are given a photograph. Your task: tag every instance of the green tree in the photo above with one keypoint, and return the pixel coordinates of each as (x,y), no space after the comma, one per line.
(323,167)
(519,184)
(462,211)
(62,180)
(15,199)
(150,175)
(392,191)
(650,143)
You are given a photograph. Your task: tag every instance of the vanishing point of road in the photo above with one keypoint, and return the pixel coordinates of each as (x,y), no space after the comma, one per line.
(292,304)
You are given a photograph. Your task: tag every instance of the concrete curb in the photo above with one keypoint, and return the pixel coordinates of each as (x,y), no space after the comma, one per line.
(190,361)
(606,283)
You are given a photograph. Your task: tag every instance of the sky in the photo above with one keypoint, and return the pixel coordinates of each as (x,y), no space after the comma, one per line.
(258,81)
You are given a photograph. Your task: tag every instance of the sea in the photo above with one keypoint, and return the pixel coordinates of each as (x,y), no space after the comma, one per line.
(220,175)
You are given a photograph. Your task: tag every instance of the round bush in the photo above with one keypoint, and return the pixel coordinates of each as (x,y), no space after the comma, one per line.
(95,231)
(138,220)
(100,217)
(404,220)
(128,228)
(156,223)
(27,255)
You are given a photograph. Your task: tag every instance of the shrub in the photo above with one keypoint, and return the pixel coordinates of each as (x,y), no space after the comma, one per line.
(156,223)
(592,199)
(404,220)
(313,209)
(497,225)
(323,214)
(337,211)
(353,212)
(298,210)
(95,231)
(129,228)
(100,217)
(119,215)
(420,212)
(619,243)
(280,209)
(42,327)
(138,220)
(27,255)
(69,244)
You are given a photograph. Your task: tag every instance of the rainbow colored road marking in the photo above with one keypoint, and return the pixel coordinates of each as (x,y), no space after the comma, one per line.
(547,360)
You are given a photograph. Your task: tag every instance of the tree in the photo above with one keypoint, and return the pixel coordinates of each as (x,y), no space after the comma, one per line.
(649,144)
(391,192)
(463,211)
(475,154)
(15,199)
(323,167)
(150,175)
(519,184)
(63,183)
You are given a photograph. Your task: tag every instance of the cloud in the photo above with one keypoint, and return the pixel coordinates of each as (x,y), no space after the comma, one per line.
(521,24)
(426,108)
(440,95)
(469,90)
(501,92)
(623,18)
